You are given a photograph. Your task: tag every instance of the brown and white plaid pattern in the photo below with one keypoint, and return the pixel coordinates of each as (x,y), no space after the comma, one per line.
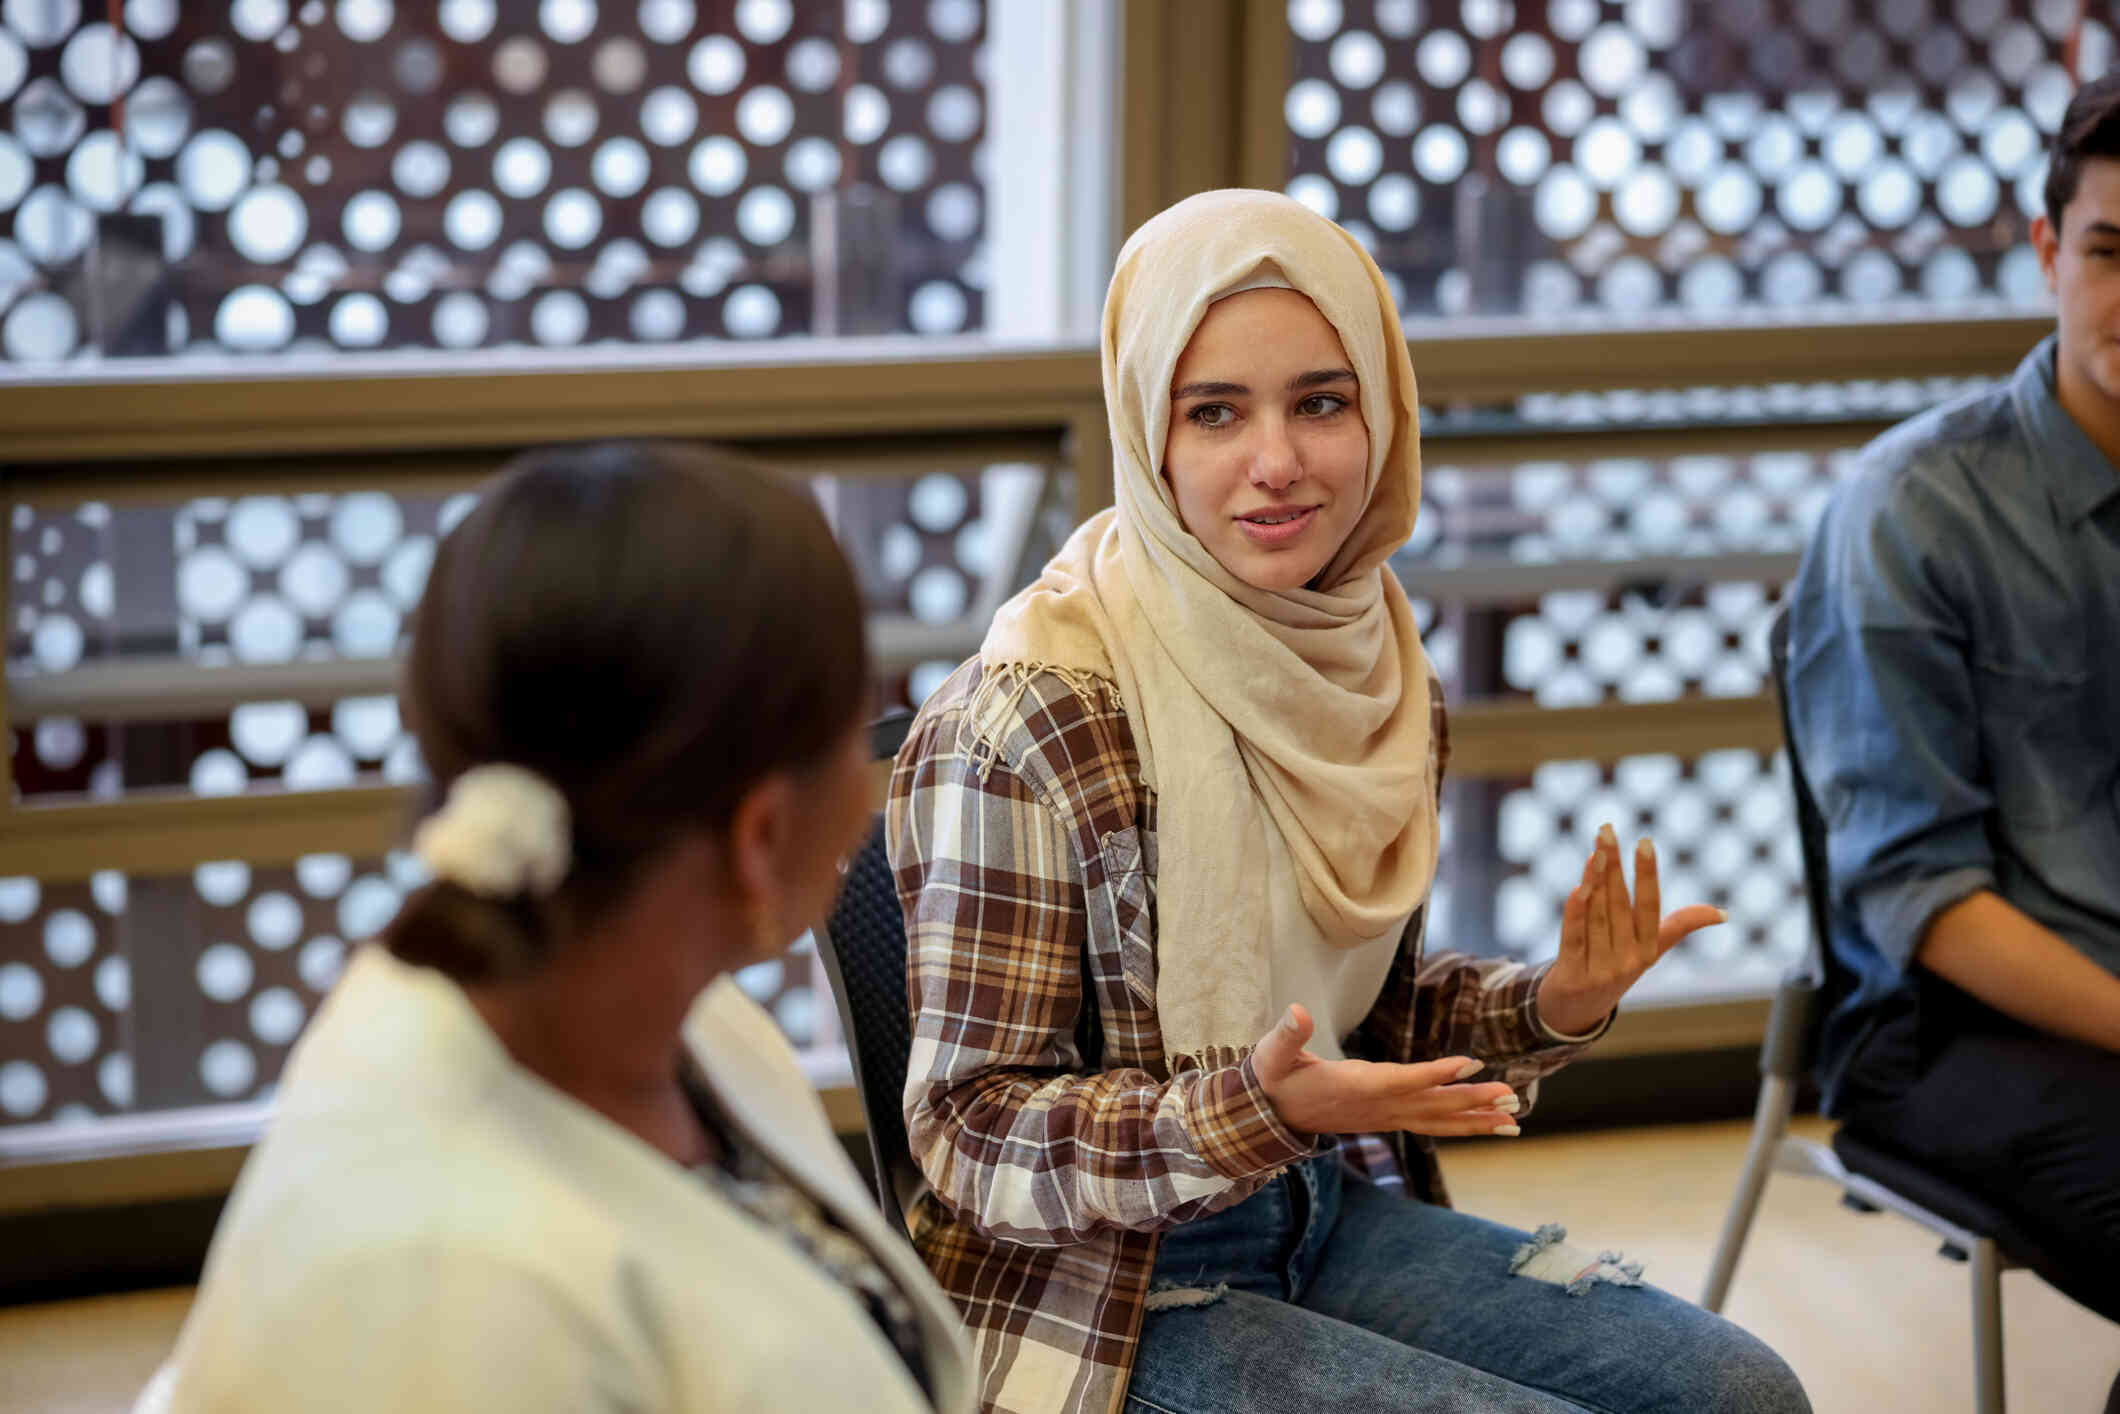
(1048,1177)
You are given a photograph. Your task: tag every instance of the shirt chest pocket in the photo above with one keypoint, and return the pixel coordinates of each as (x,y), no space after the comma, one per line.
(1122,912)
(2046,757)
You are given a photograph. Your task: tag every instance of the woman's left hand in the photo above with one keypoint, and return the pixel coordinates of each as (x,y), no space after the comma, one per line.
(1609,940)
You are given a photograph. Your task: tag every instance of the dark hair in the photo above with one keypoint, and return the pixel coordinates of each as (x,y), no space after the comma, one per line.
(2090,128)
(650,628)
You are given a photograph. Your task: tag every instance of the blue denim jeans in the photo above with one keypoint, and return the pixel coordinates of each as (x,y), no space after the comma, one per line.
(1322,1292)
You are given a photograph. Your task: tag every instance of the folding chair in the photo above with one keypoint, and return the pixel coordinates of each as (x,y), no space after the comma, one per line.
(1871,1176)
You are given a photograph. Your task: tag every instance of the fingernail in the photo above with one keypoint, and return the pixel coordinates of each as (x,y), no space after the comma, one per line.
(1721,916)
(1288,1019)
(1507,1131)
(1509,1104)
(1644,849)
(1471,1068)
(1610,836)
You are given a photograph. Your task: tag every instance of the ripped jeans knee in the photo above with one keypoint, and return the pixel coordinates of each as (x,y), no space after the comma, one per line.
(1548,1258)
(1179,1296)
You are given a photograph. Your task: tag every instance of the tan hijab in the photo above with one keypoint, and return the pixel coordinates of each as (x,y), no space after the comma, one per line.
(1286,734)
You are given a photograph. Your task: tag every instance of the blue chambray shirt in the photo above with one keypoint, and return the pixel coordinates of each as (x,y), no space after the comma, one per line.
(1954,666)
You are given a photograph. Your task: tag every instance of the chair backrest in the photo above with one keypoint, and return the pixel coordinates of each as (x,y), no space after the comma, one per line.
(1810,824)
(1792,1032)
(863,947)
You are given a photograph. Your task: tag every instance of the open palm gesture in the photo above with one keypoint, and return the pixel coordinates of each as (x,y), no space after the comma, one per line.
(1608,940)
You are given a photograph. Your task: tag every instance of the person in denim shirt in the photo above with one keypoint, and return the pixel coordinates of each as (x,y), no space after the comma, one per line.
(1954,674)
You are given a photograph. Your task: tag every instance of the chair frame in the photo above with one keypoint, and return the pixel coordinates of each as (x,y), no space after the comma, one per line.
(1785,1059)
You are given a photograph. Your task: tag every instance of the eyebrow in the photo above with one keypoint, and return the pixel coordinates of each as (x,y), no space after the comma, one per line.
(1316,378)
(2104,230)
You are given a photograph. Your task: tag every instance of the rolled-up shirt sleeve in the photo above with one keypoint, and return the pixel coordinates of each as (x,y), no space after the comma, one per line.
(1882,702)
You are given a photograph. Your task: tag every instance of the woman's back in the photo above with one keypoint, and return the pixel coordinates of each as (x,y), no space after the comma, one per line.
(430,1226)
(537,1151)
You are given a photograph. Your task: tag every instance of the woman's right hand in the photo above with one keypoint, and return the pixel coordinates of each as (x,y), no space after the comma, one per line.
(1318,1096)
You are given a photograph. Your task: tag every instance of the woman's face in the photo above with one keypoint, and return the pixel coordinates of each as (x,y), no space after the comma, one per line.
(1267,453)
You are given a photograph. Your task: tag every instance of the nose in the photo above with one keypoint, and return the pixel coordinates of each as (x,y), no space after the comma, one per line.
(1274,464)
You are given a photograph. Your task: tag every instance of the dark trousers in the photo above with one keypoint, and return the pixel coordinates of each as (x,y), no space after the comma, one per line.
(2028,1121)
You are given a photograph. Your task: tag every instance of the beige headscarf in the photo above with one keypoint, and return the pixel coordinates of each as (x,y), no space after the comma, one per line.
(1286,734)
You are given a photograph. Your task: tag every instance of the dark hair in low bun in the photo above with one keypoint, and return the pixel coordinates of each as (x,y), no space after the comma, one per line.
(652,630)
(472,939)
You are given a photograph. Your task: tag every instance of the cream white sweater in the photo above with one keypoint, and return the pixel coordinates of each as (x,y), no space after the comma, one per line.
(428,1226)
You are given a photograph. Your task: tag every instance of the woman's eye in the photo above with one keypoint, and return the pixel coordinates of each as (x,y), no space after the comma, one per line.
(1212,415)
(1321,404)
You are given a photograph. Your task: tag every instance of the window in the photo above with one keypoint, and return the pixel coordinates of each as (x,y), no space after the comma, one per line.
(1601,160)
(270,176)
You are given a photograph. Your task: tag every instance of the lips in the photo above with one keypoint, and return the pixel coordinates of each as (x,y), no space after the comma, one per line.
(1276,525)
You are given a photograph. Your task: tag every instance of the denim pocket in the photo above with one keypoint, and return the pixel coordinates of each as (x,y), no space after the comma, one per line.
(1244,1244)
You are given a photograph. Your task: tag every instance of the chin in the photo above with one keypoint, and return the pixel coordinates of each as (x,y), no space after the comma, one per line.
(1280,576)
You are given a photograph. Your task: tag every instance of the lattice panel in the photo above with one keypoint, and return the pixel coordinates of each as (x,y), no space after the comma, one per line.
(1537,512)
(1702,631)
(1584,647)
(265,945)
(145,994)
(1724,835)
(231,962)
(1618,157)
(280,579)
(65,995)
(63,596)
(270,579)
(267,174)
(356,741)
(924,549)
(259,580)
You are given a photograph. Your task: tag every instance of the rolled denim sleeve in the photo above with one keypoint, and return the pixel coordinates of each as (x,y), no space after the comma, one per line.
(1882,704)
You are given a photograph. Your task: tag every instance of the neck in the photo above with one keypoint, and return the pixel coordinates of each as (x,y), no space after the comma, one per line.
(2089,407)
(601,1021)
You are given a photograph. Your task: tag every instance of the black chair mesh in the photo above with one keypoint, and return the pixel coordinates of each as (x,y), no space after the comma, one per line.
(1810,824)
(863,944)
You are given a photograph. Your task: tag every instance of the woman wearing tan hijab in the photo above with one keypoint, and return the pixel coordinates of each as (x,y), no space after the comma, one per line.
(1164,848)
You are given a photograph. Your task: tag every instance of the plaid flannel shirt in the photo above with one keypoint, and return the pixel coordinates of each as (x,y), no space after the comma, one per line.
(1027,874)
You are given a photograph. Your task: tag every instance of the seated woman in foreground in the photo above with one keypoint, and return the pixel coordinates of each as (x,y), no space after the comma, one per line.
(537,1150)
(1188,791)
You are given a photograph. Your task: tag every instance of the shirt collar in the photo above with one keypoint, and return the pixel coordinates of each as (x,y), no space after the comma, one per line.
(2078,473)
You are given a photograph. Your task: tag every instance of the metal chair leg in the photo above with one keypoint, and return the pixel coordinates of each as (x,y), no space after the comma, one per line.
(1770,1121)
(1985,1272)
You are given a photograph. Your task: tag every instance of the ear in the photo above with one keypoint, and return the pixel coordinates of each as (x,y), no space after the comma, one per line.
(760,832)
(2047,242)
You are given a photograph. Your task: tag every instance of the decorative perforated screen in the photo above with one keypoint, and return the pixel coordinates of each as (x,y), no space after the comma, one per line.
(263,175)
(1627,157)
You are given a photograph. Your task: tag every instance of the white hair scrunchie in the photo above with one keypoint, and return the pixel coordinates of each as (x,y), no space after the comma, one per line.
(502,832)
